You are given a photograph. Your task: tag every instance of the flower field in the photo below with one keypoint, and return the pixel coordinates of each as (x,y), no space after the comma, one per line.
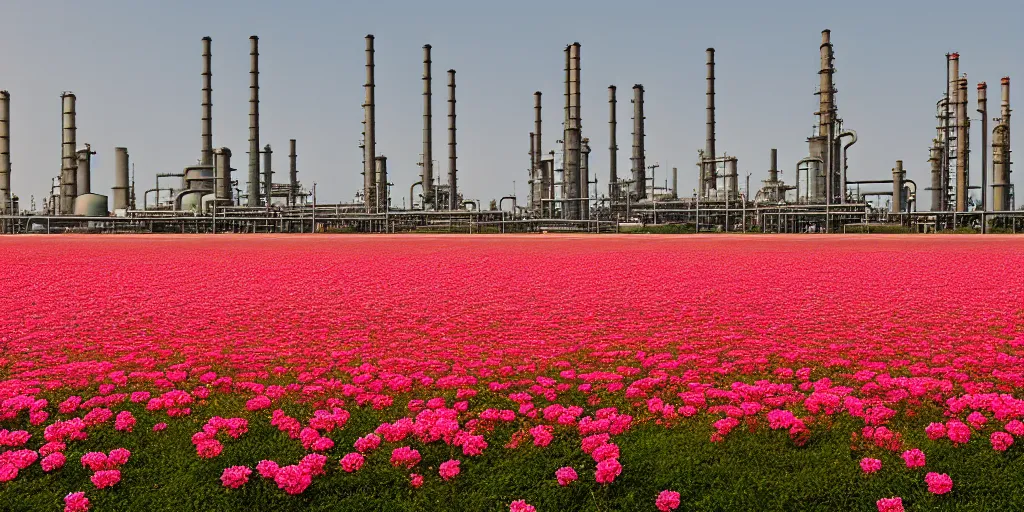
(511,373)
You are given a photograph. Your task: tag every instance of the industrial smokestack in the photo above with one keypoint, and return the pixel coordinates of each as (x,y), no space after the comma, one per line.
(222,174)
(427,174)
(952,101)
(382,182)
(613,148)
(68,187)
(5,152)
(585,179)
(268,174)
(370,135)
(1001,153)
(293,173)
(453,193)
(708,171)
(983,110)
(207,151)
(83,179)
(254,123)
(936,169)
(962,142)
(573,137)
(120,188)
(639,165)
(826,113)
(897,188)
(675,183)
(773,168)
(539,176)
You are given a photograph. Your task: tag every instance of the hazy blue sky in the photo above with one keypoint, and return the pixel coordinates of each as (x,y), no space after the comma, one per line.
(135,67)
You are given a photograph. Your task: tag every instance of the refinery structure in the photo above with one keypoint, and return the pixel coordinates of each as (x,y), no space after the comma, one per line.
(563,189)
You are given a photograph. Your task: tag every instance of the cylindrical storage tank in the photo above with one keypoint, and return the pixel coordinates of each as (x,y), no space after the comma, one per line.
(83,182)
(191,202)
(91,205)
(120,188)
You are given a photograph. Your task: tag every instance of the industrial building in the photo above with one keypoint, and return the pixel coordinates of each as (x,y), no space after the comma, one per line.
(564,192)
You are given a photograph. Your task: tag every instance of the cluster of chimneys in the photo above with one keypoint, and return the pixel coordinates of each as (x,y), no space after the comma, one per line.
(950,152)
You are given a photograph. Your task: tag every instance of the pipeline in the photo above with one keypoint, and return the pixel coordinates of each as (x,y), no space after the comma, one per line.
(411,196)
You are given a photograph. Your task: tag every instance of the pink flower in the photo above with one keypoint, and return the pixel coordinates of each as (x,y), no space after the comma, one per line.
(605,451)
(159,427)
(322,444)
(914,458)
(124,421)
(314,464)
(935,431)
(977,419)
(405,457)
(209,448)
(448,469)
(258,403)
(542,435)
(521,506)
(894,504)
(351,462)
(8,472)
(667,500)
(1001,441)
(235,476)
(473,446)
(607,470)
(566,476)
(53,461)
(76,502)
(869,465)
(106,478)
(52,447)
(415,480)
(292,479)
(118,457)
(267,468)
(590,443)
(938,483)
(367,443)
(958,432)
(95,461)
(1015,427)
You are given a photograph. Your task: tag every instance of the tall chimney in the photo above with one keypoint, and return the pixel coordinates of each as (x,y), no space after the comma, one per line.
(254,123)
(370,135)
(773,169)
(83,180)
(585,179)
(68,187)
(293,173)
(639,165)
(533,198)
(222,174)
(675,183)
(453,193)
(207,151)
(120,188)
(952,102)
(708,169)
(826,113)
(935,160)
(613,148)
(427,171)
(382,182)
(5,151)
(897,188)
(539,176)
(1001,153)
(268,174)
(983,110)
(962,141)
(572,137)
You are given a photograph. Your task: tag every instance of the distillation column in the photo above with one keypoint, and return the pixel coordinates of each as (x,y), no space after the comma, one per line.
(427,169)
(826,114)
(268,174)
(120,188)
(961,146)
(1001,153)
(540,177)
(983,110)
(69,169)
(293,173)
(253,197)
(453,193)
(222,175)
(207,135)
(613,148)
(5,152)
(83,180)
(639,164)
(572,137)
(708,179)
(369,135)
(896,206)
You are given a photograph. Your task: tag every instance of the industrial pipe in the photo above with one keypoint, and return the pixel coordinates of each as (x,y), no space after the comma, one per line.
(983,110)
(427,168)
(411,196)
(68,175)
(453,195)
(806,184)
(253,197)
(120,188)
(207,135)
(502,201)
(846,148)
(6,196)
(369,135)
(180,195)
(911,190)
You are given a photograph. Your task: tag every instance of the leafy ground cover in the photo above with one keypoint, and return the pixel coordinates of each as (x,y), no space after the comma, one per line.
(511,373)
